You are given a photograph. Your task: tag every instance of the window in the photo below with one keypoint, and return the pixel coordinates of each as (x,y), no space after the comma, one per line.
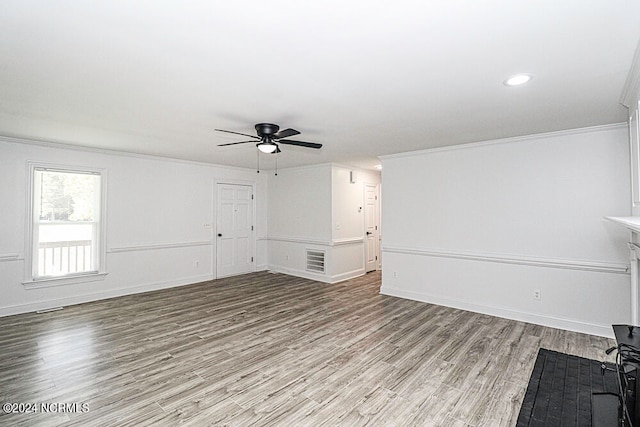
(66,223)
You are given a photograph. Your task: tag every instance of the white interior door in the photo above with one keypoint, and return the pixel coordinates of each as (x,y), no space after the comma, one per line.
(371,226)
(234,229)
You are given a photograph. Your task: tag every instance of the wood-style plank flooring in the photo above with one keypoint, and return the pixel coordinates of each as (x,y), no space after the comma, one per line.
(270,349)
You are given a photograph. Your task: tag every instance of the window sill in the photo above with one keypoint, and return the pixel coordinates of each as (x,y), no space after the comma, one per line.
(64,280)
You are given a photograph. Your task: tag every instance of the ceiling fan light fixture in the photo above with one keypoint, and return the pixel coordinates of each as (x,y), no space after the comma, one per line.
(268,133)
(267,147)
(518,79)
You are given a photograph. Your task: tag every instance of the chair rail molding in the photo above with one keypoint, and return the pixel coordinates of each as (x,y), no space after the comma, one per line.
(320,242)
(16,256)
(599,266)
(154,246)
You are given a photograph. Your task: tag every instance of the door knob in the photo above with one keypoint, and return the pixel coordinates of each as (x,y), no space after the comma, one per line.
(369,233)
(219,234)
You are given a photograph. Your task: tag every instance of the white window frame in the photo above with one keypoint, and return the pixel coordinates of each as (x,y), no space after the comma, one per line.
(32,282)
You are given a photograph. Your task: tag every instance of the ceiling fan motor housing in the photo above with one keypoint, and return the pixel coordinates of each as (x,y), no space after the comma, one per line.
(267,129)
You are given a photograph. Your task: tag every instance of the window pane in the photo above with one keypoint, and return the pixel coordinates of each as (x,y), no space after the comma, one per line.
(66,214)
(67,196)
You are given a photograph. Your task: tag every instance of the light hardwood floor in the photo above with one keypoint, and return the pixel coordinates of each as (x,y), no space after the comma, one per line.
(271,349)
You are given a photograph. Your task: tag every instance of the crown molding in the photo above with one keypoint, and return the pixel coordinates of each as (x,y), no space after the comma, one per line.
(577,131)
(109,152)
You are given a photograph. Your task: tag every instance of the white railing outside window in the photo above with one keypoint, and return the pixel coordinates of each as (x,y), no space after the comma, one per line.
(65,248)
(56,258)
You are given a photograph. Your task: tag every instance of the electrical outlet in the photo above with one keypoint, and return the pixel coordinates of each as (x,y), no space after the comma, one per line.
(197,264)
(395,274)
(536,294)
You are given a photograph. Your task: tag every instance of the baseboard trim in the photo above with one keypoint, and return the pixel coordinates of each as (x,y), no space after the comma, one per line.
(300,273)
(317,277)
(347,275)
(97,296)
(506,313)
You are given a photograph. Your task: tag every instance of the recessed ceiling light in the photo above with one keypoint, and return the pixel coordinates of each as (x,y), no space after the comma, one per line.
(518,79)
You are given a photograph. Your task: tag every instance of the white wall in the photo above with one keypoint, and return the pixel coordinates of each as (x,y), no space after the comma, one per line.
(299,218)
(347,201)
(482,226)
(316,207)
(156,211)
(300,203)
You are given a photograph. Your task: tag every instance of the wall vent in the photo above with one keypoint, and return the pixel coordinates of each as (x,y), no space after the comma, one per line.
(315,261)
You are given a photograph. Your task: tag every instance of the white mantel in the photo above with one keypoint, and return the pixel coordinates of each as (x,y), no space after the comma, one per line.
(633,224)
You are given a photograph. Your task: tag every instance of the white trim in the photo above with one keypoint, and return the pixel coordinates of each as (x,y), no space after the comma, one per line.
(299,273)
(148,247)
(108,151)
(101,246)
(347,241)
(64,280)
(632,83)
(507,313)
(377,224)
(312,241)
(370,170)
(96,296)
(315,276)
(235,274)
(599,266)
(578,131)
(630,222)
(307,240)
(11,257)
(331,165)
(347,275)
(304,167)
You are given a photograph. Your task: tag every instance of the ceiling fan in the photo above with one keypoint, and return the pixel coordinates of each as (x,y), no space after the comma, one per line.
(269,136)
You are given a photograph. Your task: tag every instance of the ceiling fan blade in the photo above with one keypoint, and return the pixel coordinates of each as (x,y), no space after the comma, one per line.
(237,133)
(285,133)
(300,143)
(234,143)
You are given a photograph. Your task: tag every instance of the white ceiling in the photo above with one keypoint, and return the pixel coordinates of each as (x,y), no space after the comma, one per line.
(364,78)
